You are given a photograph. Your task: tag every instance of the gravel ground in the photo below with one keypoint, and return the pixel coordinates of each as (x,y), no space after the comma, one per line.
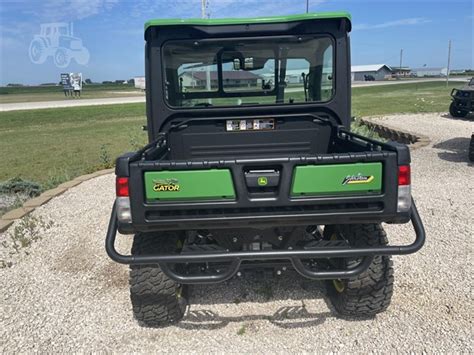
(66,295)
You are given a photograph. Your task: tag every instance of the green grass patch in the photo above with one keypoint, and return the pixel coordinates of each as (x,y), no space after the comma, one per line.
(54,93)
(402,98)
(52,145)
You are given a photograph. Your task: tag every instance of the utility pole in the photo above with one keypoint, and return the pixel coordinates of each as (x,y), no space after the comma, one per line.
(307,6)
(203,8)
(449,62)
(400,67)
(205,15)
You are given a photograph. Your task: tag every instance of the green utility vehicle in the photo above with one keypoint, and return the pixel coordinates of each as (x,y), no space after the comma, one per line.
(252,166)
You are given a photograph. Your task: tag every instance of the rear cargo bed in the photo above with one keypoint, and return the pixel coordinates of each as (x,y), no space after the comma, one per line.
(355,181)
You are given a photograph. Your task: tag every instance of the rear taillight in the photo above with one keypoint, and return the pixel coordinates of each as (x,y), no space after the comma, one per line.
(404,175)
(404,189)
(121,187)
(124,213)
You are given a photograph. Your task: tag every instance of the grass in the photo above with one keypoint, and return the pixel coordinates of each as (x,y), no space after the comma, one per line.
(46,145)
(401,98)
(54,93)
(54,145)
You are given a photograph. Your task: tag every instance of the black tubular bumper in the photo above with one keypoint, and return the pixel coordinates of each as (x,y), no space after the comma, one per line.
(295,256)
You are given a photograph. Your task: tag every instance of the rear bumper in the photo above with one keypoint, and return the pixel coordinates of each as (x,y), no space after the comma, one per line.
(295,256)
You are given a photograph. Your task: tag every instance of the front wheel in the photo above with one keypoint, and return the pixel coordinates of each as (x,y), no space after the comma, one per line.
(156,299)
(455,112)
(370,292)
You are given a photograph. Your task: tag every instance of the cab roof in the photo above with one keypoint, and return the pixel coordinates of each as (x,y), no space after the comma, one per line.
(243,21)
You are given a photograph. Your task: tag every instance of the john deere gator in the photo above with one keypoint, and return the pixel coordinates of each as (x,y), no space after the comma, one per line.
(251,165)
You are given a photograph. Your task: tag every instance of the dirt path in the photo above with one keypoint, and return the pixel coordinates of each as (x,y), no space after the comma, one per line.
(66,295)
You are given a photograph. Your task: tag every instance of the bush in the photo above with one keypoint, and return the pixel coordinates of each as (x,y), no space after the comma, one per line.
(19,186)
(365,131)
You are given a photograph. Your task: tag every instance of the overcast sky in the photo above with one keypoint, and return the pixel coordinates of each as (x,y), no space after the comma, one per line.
(112,31)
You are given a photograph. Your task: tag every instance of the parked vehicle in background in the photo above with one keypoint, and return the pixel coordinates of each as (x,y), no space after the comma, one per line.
(368,77)
(462,100)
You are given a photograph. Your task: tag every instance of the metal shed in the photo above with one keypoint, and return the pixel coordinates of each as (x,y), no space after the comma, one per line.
(378,71)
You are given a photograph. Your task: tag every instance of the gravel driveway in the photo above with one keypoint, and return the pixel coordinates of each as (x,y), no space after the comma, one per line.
(66,295)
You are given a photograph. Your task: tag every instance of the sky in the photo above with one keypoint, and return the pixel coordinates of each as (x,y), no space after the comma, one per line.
(112,32)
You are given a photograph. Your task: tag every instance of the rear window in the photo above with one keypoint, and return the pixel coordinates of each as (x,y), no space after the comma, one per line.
(236,72)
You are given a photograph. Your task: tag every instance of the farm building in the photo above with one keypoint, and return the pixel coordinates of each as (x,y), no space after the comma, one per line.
(378,71)
(197,79)
(430,72)
(403,72)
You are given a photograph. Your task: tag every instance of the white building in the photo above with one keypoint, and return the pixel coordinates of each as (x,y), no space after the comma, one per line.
(430,72)
(139,82)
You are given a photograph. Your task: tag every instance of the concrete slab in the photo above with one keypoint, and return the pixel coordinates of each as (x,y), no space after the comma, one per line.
(37,201)
(55,192)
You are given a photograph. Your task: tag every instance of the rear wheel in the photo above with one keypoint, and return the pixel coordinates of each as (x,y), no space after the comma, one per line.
(455,112)
(157,300)
(370,292)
